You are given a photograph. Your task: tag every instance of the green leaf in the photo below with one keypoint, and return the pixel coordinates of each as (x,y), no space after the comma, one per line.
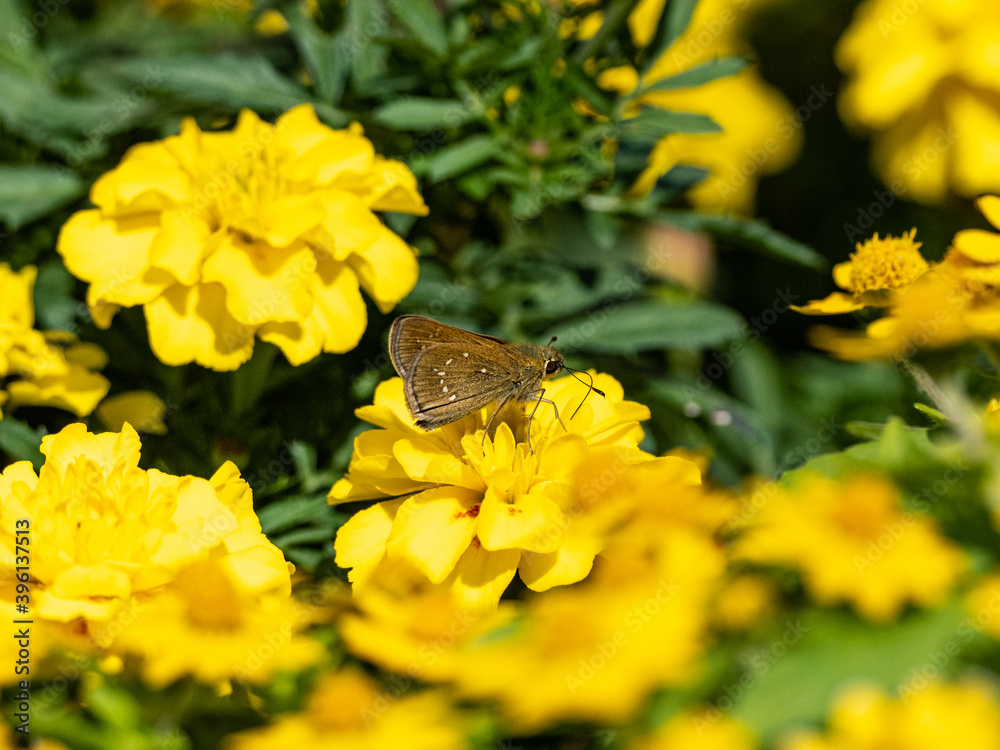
(673,22)
(423,113)
(21,442)
(698,75)
(652,124)
(753,234)
(461,157)
(637,326)
(365,21)
(28,192)
(326,55)
(56,307)
(822,652)
(424,20)
(235,80)
(291,512)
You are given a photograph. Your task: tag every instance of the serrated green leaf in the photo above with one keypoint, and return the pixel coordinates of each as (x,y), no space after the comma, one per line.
(21,442)
(652,124)
(638,326)
(460,157)
(28,192)
(423,113)
(698,75)
(425,22)
(750,233)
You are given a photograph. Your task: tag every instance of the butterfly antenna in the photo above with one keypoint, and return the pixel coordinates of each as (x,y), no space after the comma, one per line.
(590,387)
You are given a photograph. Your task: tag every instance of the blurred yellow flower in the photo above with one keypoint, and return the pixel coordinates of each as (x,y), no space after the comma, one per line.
(43,369)
(206,624)
(955,301)
(983,604)
(269,23)
(965,715)
(878,268)
(592,653)
(703,730)
(853,541)
(743,601)
(265,230)
(406,625)
(470,507)
(922,77)
(348,711)
(761,132)
(104,531)
(143,409)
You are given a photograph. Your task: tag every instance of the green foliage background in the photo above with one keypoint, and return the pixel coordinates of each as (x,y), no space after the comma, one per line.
(516,245)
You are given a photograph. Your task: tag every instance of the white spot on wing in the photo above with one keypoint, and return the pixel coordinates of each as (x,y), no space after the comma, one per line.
(465,354)
(452,397)
(449,361)
(441,373)
(444,389)
(483,370)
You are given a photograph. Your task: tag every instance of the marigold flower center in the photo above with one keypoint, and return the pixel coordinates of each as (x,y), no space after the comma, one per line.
(886,263)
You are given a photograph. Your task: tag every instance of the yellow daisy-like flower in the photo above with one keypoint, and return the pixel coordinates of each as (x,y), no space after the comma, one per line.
(348,711)
(408,626)
(45,369)
(468,507)
(965,715)
(265,230)
(923,78)
(955,301)
(207,625)
(704,730)
(877,269)
(594,652)
(853,542)
(104,531)
(761,132)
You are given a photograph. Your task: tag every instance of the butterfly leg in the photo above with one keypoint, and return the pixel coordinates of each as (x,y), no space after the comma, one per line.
(499,408)
(541,399)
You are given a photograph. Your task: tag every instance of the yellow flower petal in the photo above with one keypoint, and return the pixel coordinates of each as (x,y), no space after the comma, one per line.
(480,577)
(192,324)
(433,529)
(360,543)
(143,409)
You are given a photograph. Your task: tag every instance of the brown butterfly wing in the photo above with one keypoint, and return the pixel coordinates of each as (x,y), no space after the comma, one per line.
(411,334)
(448,372)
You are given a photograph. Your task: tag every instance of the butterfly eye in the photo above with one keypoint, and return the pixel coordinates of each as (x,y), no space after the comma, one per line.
(551,367)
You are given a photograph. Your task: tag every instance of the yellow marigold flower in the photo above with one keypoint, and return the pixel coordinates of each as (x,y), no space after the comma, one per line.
(983,604)
(922,78)
(104,531)
(206,624)
(873,273)
(594,653)
(143,409)
(853,542)
(965,715)
(48,369)
(348,711)
(761,133)
(468,508)
(265,230)
(408,626)
(707,729)
(955,301)
(743,601)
